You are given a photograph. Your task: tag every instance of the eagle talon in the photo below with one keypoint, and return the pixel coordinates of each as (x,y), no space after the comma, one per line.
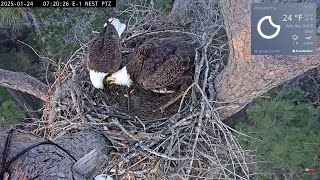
(177,97)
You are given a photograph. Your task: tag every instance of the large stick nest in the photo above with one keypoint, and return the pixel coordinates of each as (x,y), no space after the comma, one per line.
(189,141)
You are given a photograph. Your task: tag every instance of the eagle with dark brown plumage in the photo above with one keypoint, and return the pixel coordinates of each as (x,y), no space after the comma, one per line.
(105,52)
(158,64)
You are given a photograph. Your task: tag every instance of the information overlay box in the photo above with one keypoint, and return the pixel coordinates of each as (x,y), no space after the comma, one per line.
(283,28)
(57,3)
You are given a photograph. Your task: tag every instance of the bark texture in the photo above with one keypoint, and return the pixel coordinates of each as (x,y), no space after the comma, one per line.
(180,8)
(23,82)
(246,77)
(47,161)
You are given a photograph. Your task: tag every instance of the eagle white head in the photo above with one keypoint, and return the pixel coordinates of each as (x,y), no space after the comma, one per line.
(100,63)
(120,77)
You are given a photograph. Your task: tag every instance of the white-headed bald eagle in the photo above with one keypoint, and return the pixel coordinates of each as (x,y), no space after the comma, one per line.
(158,64)
(105,52)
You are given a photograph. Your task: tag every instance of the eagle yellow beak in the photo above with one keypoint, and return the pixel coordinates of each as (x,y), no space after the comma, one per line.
(110,80)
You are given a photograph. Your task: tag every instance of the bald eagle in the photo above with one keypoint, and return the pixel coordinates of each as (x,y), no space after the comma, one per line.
(158,64)
(105,52)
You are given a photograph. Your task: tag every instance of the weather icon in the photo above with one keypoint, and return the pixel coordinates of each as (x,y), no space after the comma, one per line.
(272,24)
(295,37)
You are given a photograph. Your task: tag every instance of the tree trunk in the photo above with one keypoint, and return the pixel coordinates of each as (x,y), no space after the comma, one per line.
(180,8)
(23,82)
(49,162)
(246,77)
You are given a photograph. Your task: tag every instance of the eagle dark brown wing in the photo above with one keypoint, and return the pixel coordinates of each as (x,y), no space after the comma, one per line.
(105,52)
(160,63)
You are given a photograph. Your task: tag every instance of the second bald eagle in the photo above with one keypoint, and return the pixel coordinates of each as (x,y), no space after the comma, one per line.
(158,65)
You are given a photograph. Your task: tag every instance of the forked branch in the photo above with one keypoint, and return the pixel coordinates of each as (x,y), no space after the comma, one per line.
(23,82)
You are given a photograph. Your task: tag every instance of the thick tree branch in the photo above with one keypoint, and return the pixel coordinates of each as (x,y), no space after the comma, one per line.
(23,103)
(246,76)
(23,82)
(48,161)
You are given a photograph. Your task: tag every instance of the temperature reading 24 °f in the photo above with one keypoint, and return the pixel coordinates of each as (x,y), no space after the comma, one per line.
(290,17)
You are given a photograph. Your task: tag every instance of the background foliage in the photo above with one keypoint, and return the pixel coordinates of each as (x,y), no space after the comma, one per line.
(287,134)
(10,113)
